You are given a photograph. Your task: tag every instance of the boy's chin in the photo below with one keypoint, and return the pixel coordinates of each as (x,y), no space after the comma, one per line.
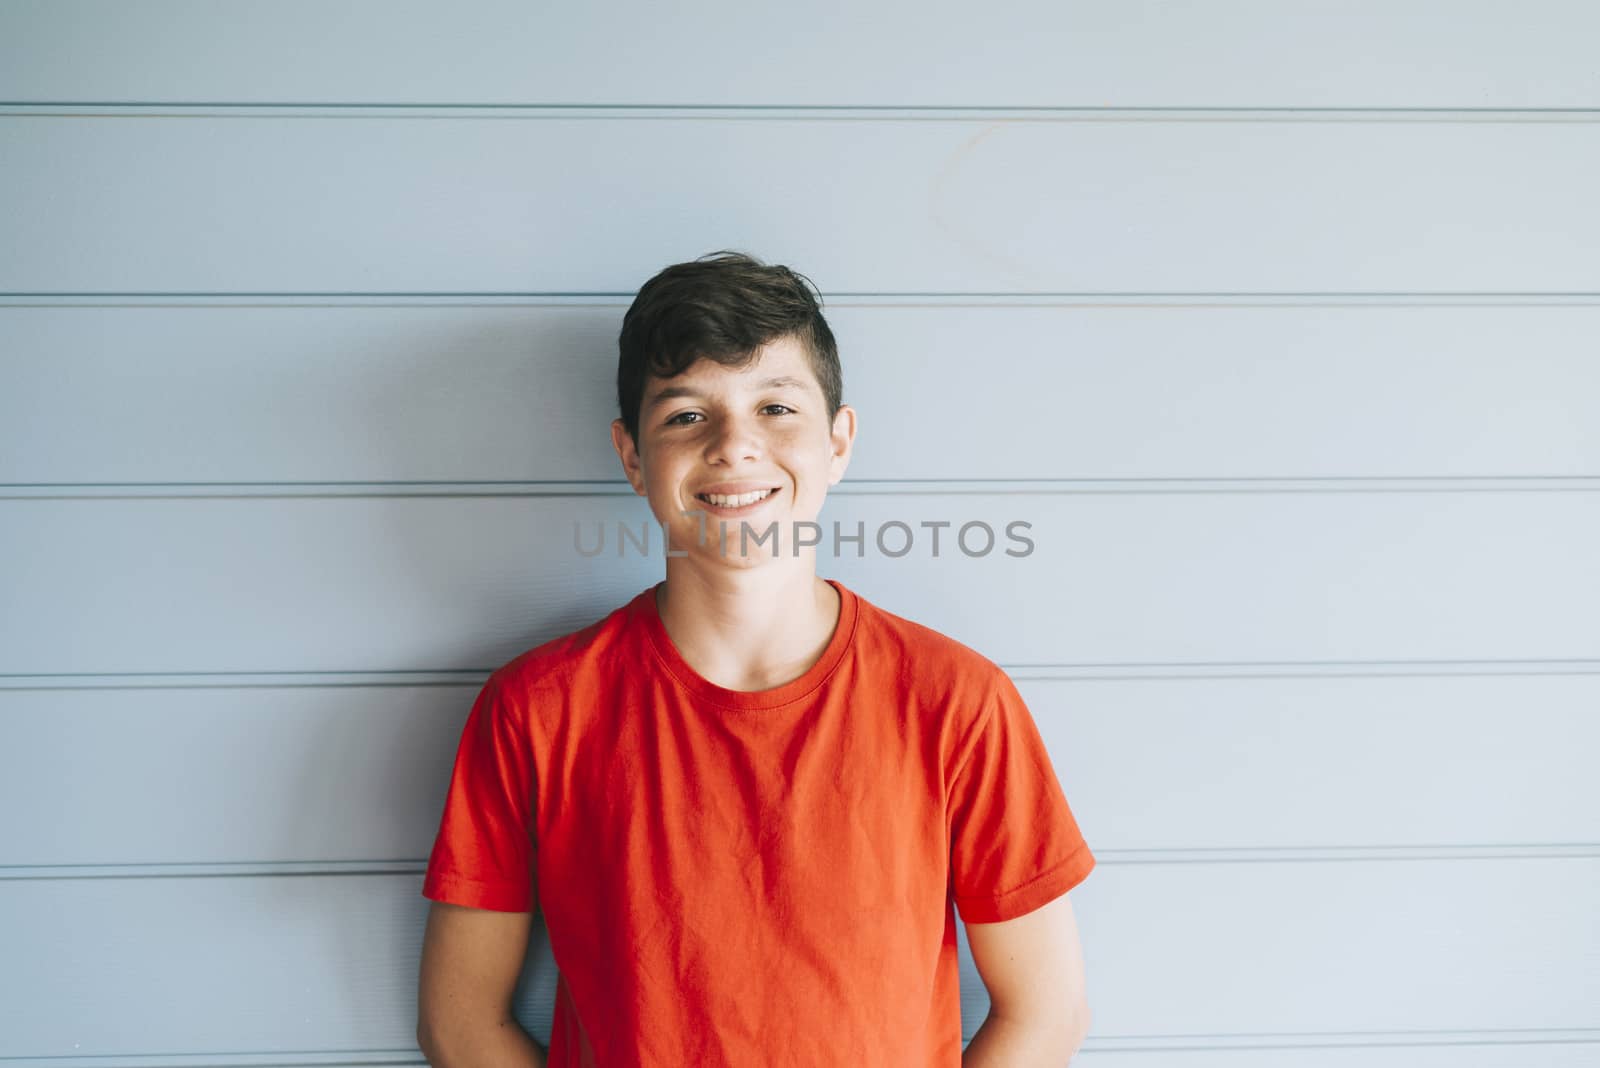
(750,555)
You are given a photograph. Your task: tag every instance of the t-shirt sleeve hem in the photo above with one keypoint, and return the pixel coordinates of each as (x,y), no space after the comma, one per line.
(1040,890)
(453,889)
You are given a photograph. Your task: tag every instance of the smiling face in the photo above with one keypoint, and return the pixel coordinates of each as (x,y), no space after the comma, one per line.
(714,436)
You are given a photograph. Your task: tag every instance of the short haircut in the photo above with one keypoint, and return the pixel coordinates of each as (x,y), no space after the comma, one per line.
(723,306)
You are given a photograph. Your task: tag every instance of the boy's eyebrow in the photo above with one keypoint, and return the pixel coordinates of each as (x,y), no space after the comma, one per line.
(670,392)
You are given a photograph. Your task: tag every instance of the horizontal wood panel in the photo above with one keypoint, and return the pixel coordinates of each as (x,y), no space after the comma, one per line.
(1392,761)
(208,775)
(434,583)
(225,775)
(567,204)
(384,393)
(1239,53)
(329,963)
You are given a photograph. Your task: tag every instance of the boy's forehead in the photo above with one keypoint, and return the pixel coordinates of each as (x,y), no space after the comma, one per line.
(704,375)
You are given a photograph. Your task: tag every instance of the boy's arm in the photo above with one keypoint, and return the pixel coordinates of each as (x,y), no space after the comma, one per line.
(1032,967)
(471,959)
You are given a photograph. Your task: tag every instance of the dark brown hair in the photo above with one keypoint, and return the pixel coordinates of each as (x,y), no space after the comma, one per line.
(724,306)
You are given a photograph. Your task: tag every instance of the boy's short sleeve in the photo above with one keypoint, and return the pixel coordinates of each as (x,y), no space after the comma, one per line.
(483,855)
(1014,843)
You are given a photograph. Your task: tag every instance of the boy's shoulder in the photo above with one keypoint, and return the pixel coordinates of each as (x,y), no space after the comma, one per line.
(921,654)
(553,665)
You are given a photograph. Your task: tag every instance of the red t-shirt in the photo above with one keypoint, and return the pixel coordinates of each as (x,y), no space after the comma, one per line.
(744,878)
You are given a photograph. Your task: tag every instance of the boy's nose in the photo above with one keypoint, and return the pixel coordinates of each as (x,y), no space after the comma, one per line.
(735,442)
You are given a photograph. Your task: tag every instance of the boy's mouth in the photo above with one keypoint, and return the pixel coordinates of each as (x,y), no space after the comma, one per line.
(735,502)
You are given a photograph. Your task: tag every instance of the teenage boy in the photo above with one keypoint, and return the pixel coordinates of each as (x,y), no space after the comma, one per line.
(749,801)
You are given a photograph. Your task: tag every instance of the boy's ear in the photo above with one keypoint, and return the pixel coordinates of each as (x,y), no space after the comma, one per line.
(843,438)
(628,453)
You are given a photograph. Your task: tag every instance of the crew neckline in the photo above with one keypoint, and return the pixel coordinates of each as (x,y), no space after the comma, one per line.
(644,606)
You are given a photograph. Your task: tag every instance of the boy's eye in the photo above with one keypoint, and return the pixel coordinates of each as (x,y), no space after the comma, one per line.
(678,420)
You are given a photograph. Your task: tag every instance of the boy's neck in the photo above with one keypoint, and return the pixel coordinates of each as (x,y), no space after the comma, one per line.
(748,630)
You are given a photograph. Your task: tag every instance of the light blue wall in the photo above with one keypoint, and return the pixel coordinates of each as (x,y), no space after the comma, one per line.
(1279,326)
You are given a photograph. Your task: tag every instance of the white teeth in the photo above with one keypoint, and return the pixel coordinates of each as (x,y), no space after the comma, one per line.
(724,501)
